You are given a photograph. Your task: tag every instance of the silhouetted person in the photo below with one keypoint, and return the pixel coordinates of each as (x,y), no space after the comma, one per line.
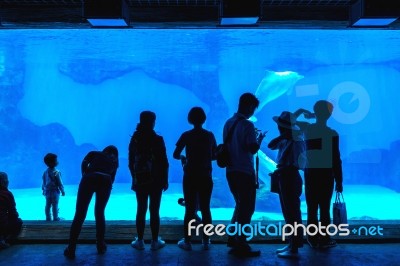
(290,159)
(323,169)
(199,145)
(52,186)
(240,172)
(148,165)
(10,223)
(98,174)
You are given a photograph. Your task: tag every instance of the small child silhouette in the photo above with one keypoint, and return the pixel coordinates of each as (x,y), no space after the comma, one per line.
(52,186)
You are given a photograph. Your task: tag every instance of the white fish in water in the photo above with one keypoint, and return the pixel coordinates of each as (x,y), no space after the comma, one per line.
(276,84)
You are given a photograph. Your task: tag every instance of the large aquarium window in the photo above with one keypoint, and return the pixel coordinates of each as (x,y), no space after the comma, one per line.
(72,91)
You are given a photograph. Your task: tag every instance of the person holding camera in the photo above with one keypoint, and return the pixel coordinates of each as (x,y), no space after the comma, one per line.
(290,159)
(240,172)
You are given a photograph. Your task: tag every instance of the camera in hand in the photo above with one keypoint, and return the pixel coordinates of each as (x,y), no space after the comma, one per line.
(259,133)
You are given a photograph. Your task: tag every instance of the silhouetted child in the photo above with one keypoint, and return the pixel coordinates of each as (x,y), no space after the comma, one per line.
(10,223)
(52,186)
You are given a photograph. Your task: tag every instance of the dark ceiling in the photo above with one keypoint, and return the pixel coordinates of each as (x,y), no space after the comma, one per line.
(180,13)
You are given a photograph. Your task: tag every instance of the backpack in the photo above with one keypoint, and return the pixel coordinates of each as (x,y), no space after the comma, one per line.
(143,166)
(222,153)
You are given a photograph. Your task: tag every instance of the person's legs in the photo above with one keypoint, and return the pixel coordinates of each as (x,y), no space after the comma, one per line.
(312,199)
(103,191)
(154,207)
(47,207)
(325,203)
(12,229)
(85,193)
(244,190)
(204,199)
(190,195)
(311,193)
(142,195)
(55,199)
(290,184)
(233,187)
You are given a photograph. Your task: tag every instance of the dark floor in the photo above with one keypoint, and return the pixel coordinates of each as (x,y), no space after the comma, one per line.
(123,254)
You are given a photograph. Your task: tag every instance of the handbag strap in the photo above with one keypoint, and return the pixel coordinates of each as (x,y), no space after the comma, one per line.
(338,200)
(230,132)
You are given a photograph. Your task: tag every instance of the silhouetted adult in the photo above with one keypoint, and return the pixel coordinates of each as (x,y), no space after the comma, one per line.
(199,145)
(10,223)
(290,159)
(240,173)
(98,173)
(148,165)
(323,169)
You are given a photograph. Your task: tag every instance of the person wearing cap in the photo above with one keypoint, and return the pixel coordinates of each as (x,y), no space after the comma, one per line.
(148,164)
(290,159)
(323,169)
(10,223)
(98,174)
(52,186)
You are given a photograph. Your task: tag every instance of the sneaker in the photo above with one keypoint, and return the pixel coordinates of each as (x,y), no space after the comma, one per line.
(4,245)
(329,243)
(280,250)
(58,219)
(69,253)
(288,254)
(101,246)
(138,244)
(48,219)
(157,244)
(206,244)
(185,245)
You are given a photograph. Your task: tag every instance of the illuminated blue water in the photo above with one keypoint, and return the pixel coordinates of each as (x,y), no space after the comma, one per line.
(71,91)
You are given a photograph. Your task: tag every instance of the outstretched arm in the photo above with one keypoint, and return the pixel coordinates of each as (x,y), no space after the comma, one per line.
(301,111)
(274,143)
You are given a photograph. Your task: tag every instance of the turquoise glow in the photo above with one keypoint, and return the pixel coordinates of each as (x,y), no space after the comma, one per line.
(71,91)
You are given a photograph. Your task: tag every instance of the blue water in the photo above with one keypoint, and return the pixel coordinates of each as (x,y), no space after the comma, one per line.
(72,91)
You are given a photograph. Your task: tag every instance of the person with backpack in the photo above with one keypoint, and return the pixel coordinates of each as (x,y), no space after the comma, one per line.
(52,186)
(98,174)
(148,164)
(200,146)
(240,173)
